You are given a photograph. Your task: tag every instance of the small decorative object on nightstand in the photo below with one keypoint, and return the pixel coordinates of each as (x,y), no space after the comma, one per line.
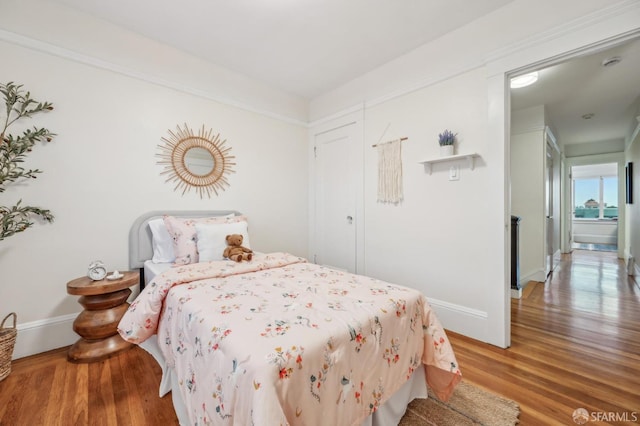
(97,270)
(104,302)
(115,275)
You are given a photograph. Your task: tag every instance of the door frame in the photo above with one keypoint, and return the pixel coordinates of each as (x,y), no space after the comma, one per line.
(553,48)
(548,207)
(354,116)
(616,157)
(569,202)
(553,201)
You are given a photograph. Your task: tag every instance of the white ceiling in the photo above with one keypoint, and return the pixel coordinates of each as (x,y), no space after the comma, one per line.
(582,86)
(309,47)
(303,47)
(594,170)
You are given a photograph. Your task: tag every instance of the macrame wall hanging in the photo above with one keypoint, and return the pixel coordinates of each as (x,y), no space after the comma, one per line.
(390,171)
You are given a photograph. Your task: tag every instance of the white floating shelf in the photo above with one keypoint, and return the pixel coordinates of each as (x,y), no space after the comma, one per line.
(469,157)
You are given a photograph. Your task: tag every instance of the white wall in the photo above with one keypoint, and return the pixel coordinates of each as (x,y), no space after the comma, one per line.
(527,201)
(459,82)
(100,173)
(595,232)
(529,191)
(433,239)
(632,211)
(594,148)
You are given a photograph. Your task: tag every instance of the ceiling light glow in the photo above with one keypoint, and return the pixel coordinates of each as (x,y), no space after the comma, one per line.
(524,80)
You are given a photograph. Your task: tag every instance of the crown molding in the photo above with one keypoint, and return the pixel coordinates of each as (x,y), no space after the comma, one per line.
(65,53)
(621,9)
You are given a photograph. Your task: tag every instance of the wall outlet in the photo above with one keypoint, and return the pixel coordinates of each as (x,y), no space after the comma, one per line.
(454,173)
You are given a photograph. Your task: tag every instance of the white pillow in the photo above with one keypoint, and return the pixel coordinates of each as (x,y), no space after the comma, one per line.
(212,238)
(183,233)
(162,242)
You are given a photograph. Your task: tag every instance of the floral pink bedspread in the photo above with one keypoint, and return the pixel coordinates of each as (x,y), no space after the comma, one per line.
(278,341)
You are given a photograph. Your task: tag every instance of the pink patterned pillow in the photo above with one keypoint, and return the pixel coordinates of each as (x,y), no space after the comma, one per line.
(184,235)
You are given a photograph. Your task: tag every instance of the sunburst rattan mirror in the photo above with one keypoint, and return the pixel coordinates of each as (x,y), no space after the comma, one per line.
(200,162)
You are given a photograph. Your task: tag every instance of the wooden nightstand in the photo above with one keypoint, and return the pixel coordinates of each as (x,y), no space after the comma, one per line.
(104,302)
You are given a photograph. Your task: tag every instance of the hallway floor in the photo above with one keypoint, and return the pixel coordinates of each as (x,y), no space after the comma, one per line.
(575,343)
(594,247)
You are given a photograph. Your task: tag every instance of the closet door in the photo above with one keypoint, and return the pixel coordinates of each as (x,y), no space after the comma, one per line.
(335,197)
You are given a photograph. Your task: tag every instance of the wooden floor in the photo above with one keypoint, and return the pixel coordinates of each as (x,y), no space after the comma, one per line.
(575,344)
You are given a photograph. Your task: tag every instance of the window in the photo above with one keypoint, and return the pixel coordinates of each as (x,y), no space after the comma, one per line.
(596,197)
(610,197)
(587,198)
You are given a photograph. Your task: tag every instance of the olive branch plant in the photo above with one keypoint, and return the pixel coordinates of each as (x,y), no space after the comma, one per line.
(13,151)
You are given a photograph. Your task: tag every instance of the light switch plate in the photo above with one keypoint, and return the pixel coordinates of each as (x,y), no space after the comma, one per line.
(454,173)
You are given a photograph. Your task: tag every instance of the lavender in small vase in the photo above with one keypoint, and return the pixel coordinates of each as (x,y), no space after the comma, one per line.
(446,140)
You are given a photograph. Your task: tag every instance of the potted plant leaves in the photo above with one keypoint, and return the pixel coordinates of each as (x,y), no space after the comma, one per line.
(447,140)
(13,151)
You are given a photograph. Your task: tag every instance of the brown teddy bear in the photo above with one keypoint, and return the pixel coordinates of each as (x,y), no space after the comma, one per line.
(235,251)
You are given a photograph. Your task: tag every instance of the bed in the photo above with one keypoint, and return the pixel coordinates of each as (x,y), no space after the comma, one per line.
(277,340)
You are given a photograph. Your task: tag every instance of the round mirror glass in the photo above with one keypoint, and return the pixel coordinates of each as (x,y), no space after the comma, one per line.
(198,161)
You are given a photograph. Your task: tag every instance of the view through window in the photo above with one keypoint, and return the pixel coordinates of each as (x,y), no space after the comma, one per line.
(596,197)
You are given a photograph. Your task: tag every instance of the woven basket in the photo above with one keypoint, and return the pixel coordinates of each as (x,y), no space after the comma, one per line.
(7,340)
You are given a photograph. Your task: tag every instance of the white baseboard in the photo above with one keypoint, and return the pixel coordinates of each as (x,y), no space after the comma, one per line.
(538,275)
(461,319)
(43,335)
(517,294)
(595,239)
(630,263)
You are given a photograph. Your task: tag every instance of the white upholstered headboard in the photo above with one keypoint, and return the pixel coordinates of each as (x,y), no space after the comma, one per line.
(140,248)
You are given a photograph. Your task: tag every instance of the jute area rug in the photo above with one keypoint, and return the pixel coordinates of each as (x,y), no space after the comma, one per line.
(469,405)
